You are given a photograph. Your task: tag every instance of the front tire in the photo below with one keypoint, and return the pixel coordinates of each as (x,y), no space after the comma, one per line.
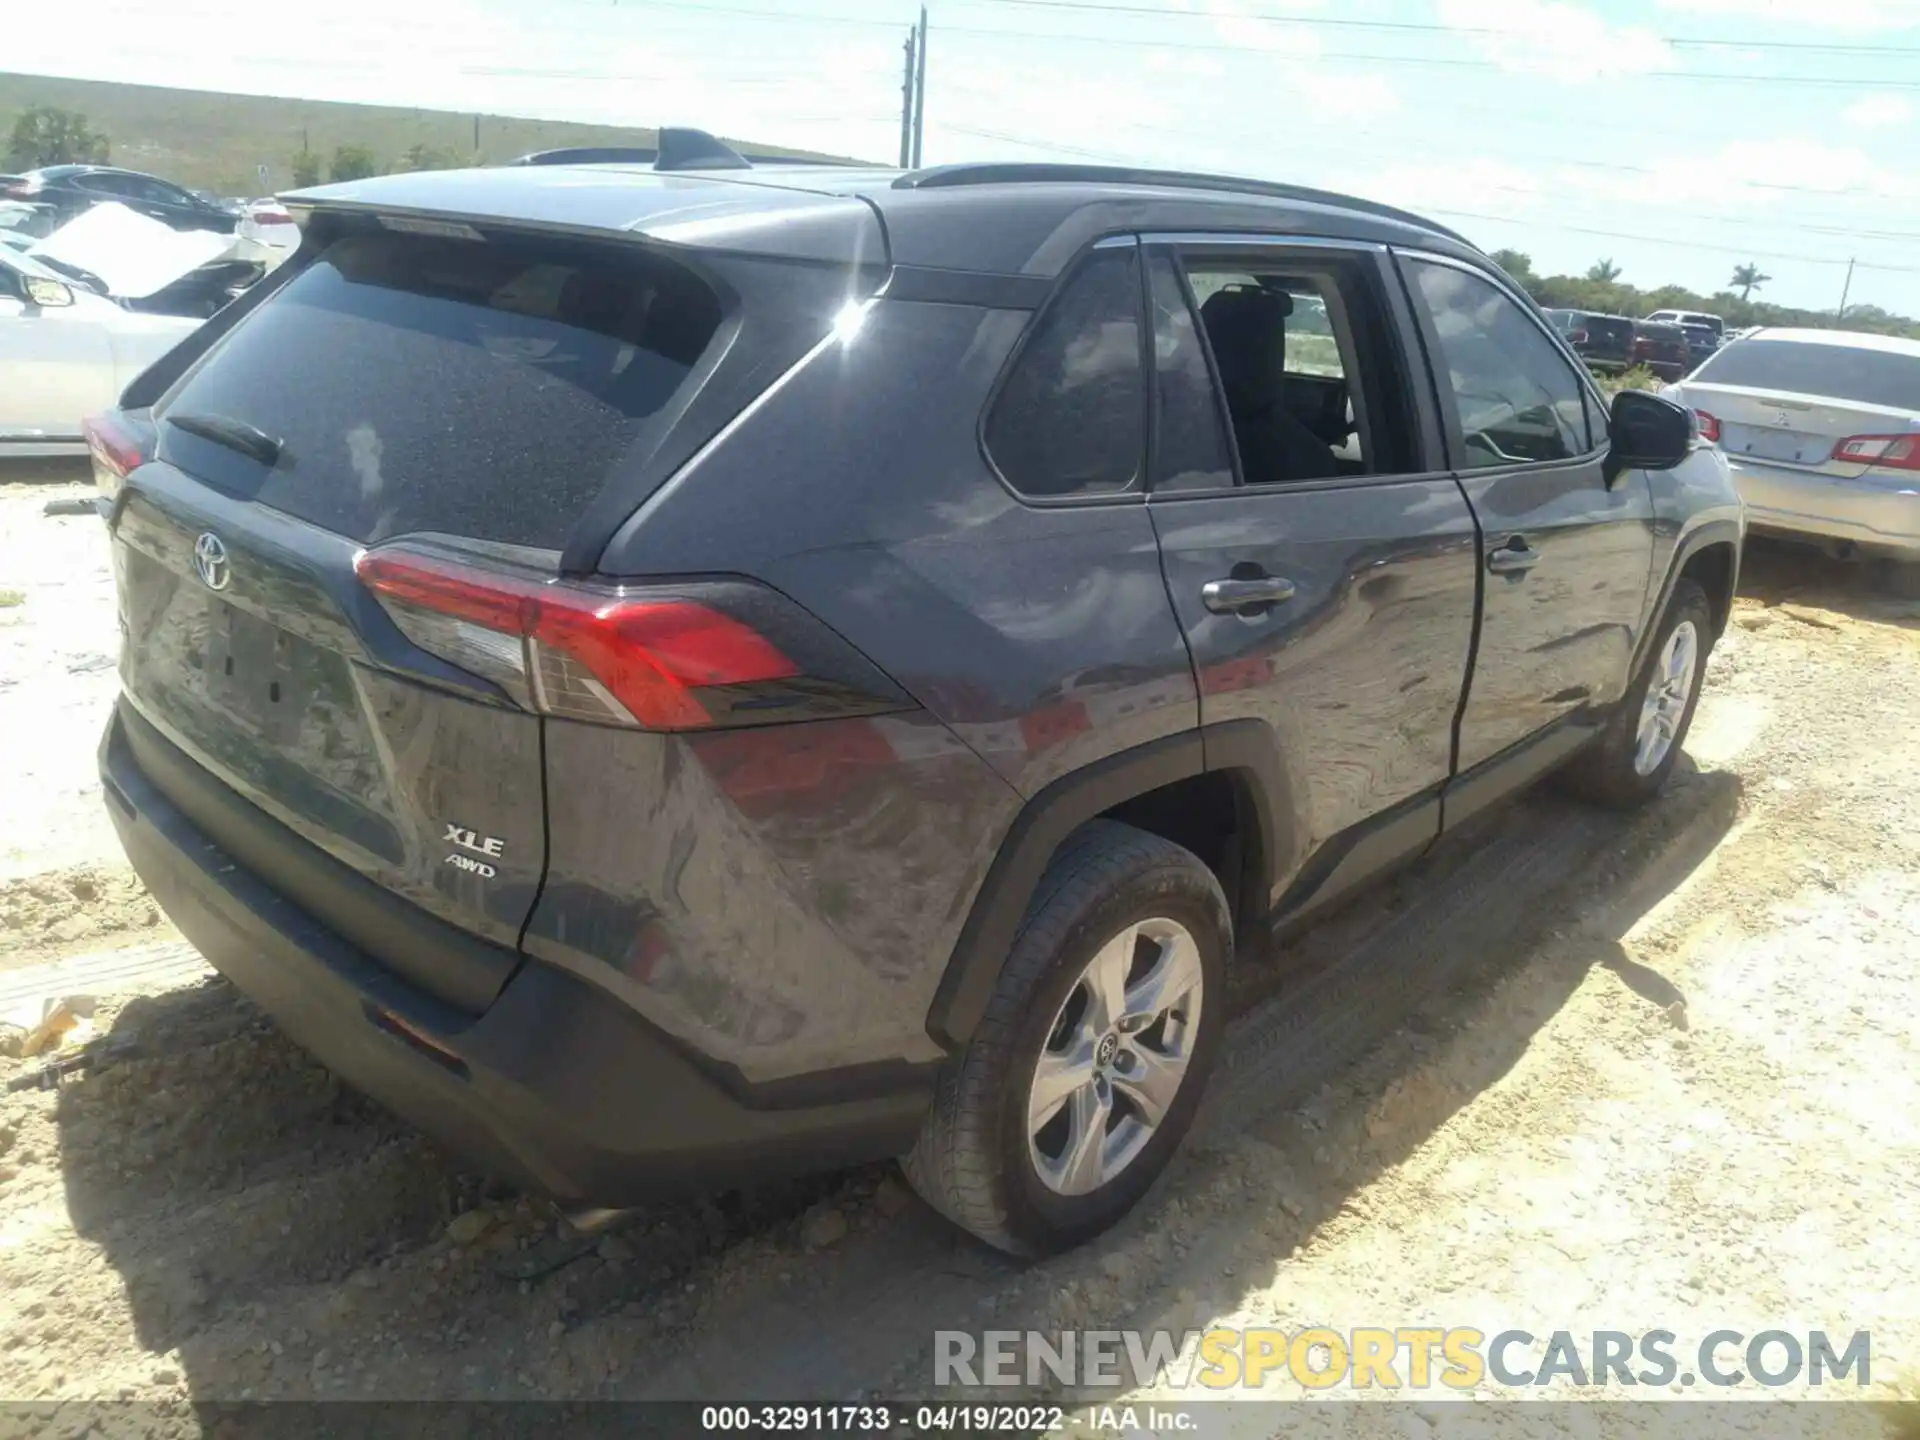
(1630,762)
(1085,1072)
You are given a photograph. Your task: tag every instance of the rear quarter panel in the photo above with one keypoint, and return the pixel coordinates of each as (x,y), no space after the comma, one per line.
(810,909)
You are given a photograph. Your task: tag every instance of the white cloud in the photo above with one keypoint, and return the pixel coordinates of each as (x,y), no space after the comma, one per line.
(1231,24)
(1755,171)
(1473,183)
(1877,112)
(1551,37)
(1355,96)
(1854,15)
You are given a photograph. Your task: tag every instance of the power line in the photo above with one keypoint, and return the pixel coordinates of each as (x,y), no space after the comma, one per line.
(1433,28)
(1667,240)
(1234,138)
(1851,82)
(1745,251)
(1447,62)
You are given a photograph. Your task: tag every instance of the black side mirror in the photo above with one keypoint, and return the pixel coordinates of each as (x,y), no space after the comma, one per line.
(1647,432)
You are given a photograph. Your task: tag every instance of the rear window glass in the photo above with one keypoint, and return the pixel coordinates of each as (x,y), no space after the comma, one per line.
(424,384)
(1868,377)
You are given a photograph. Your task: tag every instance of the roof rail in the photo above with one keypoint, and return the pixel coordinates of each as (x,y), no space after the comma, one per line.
(590,155)
(679,149)
(940,177)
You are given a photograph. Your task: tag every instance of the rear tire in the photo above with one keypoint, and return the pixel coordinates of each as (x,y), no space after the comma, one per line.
(1085,1072)
(1636,752)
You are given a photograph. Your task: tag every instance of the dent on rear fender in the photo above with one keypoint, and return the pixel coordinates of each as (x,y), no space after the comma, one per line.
(783,900)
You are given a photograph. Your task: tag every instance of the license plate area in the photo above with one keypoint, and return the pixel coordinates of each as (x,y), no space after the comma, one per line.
(250,663)
(1792,447)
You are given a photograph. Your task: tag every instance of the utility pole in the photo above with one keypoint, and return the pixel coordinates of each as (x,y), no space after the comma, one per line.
(920,89)
(476,135)
(1845,290)
(907,91)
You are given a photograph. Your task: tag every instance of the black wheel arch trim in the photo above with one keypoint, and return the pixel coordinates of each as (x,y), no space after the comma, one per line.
(1703,536)
(1244,746)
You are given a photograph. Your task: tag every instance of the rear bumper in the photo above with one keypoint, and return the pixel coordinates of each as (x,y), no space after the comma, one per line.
(557,1086)
(1798,502)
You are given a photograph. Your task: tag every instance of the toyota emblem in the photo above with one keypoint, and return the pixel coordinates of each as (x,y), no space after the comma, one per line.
(210,559)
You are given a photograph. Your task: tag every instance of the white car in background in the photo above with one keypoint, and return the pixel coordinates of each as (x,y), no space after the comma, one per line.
(1821,429)
(66,352)
(266,222)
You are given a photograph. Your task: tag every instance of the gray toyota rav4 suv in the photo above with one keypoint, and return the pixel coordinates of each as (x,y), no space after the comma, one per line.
(681,674)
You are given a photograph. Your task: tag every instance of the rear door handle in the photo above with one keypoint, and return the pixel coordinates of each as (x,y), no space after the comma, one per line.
(1513,558)
(1236,597)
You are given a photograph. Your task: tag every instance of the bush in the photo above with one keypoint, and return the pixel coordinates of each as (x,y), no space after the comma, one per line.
(352,162)
(1638,378)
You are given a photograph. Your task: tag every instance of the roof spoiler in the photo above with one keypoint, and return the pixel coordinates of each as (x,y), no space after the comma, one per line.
(679,149)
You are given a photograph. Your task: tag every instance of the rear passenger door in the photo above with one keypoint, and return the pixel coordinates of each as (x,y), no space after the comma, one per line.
(1567,555)
(1320,558)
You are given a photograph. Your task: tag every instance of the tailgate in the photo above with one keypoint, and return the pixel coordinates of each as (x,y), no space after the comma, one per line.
(248,648)
(1791,429)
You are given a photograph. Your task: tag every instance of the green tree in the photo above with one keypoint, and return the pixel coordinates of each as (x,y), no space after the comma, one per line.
(1516,263)
(352,162)
(48,135)
(429,157)
(306,169)
(1604,271)
(1749,279)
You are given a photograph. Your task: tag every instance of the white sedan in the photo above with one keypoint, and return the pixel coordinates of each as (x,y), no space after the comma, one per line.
(266,222)
(66,352)
(1822,431)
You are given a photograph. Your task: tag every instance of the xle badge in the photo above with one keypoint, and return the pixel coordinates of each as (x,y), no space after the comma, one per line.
(467,839)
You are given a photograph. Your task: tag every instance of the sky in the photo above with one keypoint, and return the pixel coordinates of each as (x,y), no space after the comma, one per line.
(1677,138)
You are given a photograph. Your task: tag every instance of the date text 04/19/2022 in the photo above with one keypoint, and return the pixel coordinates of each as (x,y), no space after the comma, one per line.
(941,1419)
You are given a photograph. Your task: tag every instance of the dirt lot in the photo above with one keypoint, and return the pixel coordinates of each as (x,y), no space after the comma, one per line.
(1587,1072)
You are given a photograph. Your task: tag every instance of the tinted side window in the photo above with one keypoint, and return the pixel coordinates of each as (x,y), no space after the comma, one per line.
(1596,418)
(1068,421)
(1516,398)
(124,187)
(173,195)
(1189,438)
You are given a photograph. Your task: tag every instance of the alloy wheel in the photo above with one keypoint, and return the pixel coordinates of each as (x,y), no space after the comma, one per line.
(1667,695)
(1115,1057)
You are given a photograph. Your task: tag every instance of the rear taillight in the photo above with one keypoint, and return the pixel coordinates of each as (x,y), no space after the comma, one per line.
(117,448)
(1888,452)
(23,189)
(684,657)
(271,217)
(1708,426)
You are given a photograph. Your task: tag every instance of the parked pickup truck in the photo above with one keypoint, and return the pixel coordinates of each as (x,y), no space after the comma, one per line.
(677,676)
(1605,342)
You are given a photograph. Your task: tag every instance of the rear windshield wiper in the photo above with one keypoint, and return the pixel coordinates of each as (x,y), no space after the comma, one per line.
(237,435)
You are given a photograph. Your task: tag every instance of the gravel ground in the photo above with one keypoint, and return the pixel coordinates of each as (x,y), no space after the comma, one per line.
(64,887)
(1586,1072)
